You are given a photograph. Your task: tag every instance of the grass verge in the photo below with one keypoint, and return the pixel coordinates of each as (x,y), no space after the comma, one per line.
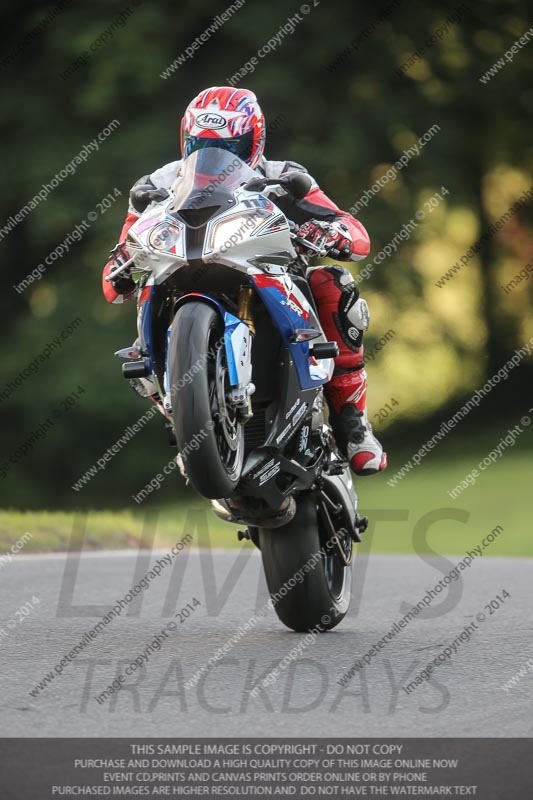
(421,515)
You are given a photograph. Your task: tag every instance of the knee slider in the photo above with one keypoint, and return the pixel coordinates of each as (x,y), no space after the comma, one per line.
(359,314)
(353,317)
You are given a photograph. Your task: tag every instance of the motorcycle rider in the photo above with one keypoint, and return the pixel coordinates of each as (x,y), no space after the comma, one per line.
(232,119)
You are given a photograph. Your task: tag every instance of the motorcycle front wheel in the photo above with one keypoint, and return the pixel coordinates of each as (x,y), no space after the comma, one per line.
(209,436)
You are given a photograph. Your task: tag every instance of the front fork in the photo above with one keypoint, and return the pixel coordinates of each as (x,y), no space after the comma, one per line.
(242,396)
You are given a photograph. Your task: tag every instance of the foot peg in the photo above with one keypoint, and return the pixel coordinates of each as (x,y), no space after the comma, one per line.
(336,467)
(360,526)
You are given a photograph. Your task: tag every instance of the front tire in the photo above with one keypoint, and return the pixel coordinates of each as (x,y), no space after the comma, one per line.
(310,597)
(209,435)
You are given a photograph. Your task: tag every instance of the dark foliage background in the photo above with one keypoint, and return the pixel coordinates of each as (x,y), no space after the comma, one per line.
(347,124)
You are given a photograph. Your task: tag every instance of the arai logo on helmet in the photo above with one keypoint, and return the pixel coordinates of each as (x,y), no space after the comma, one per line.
(210,120)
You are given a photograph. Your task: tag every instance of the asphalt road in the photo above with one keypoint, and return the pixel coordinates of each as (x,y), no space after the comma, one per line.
(464,698)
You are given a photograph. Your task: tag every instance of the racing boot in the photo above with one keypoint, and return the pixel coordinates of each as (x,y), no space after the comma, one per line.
(346,394)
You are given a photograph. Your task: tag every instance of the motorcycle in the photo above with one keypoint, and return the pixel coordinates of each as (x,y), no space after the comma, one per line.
(230,338)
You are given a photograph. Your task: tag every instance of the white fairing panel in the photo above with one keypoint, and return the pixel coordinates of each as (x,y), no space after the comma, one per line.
(249,234)
(255,227)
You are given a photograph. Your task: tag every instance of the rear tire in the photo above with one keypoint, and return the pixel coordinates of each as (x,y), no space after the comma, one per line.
(209,436)
(318,598)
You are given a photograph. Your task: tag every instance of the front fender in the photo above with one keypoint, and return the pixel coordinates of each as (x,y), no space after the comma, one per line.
(237,339)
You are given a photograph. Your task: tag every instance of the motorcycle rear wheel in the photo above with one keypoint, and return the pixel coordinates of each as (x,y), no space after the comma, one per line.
(209,435)
(317,597)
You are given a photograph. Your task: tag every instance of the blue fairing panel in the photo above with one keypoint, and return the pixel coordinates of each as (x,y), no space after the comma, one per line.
(289,316)
(144,323)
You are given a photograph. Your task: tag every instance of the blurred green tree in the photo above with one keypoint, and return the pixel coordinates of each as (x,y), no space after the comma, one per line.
(347,123)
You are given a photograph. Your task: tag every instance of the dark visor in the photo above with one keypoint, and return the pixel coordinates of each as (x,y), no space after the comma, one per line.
(240,146)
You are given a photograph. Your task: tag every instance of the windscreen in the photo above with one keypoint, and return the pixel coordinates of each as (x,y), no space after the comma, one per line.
(209,178)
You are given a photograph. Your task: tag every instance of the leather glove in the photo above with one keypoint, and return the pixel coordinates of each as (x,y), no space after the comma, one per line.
(123,283)
(141,196)
(333,238)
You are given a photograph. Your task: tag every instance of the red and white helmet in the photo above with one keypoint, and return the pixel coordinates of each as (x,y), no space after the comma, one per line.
(225,117)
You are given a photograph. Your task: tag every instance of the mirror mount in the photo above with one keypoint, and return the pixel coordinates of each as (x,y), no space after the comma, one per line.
(298,184)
